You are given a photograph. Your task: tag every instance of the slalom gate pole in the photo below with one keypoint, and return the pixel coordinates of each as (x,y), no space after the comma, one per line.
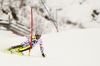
(31,32)
(50,16)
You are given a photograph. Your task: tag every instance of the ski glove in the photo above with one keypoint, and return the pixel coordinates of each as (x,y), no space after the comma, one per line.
(43,55)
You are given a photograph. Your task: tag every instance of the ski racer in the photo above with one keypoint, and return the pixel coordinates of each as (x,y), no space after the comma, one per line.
(36,39)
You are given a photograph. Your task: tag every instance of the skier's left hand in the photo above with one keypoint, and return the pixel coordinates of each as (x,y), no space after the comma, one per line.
(43,55)
(34,41)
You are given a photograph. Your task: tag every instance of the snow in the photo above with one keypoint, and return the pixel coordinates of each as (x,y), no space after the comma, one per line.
(2,28)
(76,11)
(78,47)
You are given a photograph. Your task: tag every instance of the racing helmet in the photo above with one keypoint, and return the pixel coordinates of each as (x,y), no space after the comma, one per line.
(38,33)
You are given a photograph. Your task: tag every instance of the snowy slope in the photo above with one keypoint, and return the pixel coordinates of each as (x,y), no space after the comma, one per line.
(70,48)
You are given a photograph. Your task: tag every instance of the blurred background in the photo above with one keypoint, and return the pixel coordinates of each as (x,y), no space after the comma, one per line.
(15,15)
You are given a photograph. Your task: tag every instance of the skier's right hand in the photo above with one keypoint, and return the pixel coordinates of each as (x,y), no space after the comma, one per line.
(43,55)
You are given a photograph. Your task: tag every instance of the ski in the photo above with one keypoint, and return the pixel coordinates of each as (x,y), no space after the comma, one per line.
(18,53)
(6,51)
(12,52)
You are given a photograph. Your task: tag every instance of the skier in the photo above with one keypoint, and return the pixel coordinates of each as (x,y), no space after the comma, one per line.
(36,39)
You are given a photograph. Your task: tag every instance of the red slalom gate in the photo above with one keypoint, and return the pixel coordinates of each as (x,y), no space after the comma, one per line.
(31,31)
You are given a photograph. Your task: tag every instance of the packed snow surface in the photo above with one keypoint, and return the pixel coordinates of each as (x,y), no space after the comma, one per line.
(70,48)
